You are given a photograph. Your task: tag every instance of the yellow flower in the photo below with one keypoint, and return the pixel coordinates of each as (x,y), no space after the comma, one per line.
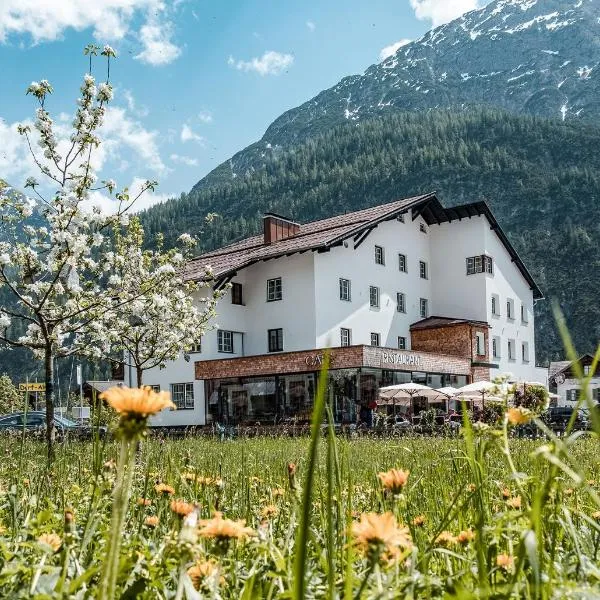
(514,502)
(181,508)
(419,521)
(519,415)
(596,515)
(278,492)
(394,480)
(464,537)
(471,488)
(380,533)
(505,561)
(50,541)
(138,402)
(445,539)
(164,489)
(224,529)
(151,522)
(203,570)
(269,511)
(144,502)
(505,493)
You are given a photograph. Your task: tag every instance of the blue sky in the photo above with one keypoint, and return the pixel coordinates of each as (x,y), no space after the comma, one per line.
(195,80)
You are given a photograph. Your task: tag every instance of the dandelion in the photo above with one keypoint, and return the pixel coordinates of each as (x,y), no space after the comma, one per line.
(202,571)
(278,492)
(222,529)
(505,561)
(136,403)
(445,539)
(394,480)
(269,511)
(514,502)
(50,542)
(144,502)
(419,521)
(506,493)
(465,537)
(471,488)
(162,489)
(519,415)
(596,515)
(182,508)
(151,521)
(376,533)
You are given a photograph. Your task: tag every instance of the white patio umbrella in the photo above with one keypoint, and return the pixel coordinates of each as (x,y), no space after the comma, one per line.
(405,391)
(478,389)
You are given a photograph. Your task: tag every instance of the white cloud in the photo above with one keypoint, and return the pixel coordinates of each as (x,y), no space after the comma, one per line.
(310,25)
(132,105)
(156,40)
(205,116)
(187,135)
(270,63)
(442,11)
(186,160)
(392,49)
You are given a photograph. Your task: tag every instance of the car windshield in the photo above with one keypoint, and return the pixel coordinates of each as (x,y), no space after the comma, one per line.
(66,422)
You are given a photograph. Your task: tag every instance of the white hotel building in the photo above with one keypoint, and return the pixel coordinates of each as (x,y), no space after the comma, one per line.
(409,290)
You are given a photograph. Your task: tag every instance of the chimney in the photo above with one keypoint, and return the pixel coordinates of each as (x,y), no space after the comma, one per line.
(278,228)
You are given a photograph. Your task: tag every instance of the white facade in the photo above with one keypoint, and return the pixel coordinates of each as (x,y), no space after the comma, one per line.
(569,389)
(312,314)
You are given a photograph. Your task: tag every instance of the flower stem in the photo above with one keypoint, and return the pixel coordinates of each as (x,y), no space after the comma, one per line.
(120,501)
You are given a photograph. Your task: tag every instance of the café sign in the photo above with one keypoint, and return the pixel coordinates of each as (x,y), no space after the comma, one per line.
(400,358)
(317,360)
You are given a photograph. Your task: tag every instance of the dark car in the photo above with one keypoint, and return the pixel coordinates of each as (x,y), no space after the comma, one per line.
(558,417)
(35,422)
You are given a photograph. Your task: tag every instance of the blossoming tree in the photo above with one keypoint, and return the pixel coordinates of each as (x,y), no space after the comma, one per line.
(62,269)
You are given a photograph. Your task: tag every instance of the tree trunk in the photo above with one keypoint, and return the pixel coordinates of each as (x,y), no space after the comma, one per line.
(50,430)
(139,373)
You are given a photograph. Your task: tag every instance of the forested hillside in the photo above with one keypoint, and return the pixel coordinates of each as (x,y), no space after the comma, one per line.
(541,178)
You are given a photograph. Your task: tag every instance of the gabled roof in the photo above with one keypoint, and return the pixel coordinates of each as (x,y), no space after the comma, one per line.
(436,322)
(327,233)
(564,365)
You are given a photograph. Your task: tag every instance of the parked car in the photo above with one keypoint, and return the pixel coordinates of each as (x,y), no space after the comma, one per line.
(35,421)
(558,417)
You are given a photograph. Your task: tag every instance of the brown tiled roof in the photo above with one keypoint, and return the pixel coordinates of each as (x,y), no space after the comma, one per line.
(435,322)
(557,367)
(311,236)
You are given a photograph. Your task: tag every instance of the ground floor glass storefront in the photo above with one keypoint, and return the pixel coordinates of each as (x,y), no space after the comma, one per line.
(289,398)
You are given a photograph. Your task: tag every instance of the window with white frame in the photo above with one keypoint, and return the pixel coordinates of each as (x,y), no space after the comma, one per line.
(225,341)
(496,347)
(510,309)
(572,395)
(375,339)
(402,265)
(182,395)
(424,308)
(274,289)
(374,296)
(496,305)
(345,290)
(379,255)
(480,264)
(525,352)
(401,342)
(511,350)
(401,302)
(345,336)
(197,347)
(423,269)
(587,369)
(524,314)
(480,343)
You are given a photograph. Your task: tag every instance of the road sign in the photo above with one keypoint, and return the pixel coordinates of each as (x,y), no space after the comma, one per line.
(32,387)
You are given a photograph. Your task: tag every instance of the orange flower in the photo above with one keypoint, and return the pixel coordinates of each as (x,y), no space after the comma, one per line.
(519,415)
(380,533)
(514,502)
(505,493)
(471,488)
(203,570)
(465,537)
(221,529)
(445,539)
(278,492)
(163,488)
(596,515)
(419,521)
(181,508)
(50,541)
(138,402)
(394,480)
(144,501)
(269,511)
(151,522)
(505,561)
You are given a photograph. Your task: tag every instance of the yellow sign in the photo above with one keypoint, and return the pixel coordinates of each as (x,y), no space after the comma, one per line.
(32,387)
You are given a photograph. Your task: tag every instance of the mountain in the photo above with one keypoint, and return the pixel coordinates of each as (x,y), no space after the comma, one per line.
(535,57)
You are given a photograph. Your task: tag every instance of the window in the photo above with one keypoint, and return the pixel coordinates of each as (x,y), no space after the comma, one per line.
(401,302)
(424,308)
(400,218)
(572,395)
(525,352)
(236,294)
(401,342)
(379,255)
(596,394)
(274,289)
(422,228)
(197,347)
(225,341)
(375,339)
(345,337)
(480,343)
(524,317)
(510,309)
(402,262)
(374,296)
(345,290)
(495,305)
(182,395)
(423,269)
(587,369)
(511,349)
(496,347)
(275,340)
(480,264)
(155,388)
